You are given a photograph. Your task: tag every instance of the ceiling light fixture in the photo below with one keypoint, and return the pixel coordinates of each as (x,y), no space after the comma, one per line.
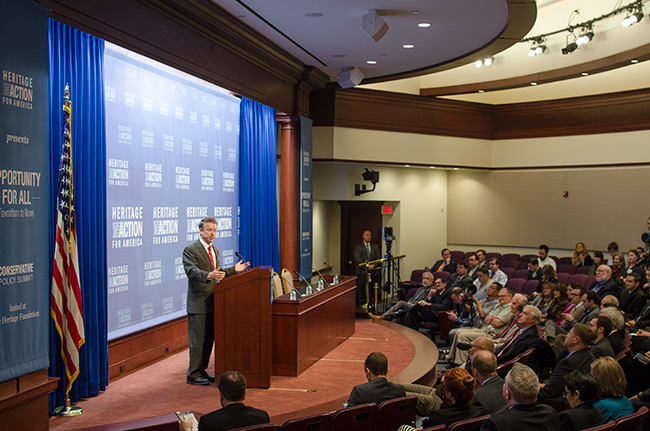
(371,61)
(424,25)
(586,35)
(487,62)
(537,48)
(408,46)
(350,77)
(570,46)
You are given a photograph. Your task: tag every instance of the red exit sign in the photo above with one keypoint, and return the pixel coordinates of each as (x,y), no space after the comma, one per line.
(386,209)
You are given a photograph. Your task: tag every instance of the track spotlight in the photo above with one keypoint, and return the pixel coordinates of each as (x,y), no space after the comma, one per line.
(487,62)
(569,48)
(586,36)
(632,18)
(538,47)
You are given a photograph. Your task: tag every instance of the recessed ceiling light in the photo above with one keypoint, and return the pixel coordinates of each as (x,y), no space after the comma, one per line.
(533,83)
(634,61)
(585,74)
(407,166)
(313,15)
(415,12)
(371,61)
(455,169)
(481,91)
(424,25)
(432,167)
(408,46)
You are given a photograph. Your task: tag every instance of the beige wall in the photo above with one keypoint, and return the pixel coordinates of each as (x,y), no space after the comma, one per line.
(505,210)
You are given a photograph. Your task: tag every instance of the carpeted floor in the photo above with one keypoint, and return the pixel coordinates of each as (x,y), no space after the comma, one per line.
(161,389)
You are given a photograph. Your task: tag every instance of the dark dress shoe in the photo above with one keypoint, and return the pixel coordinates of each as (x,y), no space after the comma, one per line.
(208,376)
(199,381)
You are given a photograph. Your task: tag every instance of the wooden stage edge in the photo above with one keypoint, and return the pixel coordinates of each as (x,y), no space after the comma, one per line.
(422,369)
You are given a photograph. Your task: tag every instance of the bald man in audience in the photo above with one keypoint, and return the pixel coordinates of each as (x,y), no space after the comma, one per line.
(488,394)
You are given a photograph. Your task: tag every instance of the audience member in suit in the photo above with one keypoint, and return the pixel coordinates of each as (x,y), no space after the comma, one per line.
(580,387)
(527,322)
(472,268)
(402,307)
(426,310)
(366,251)
(601,326)
(520,393)
(632,300)
(577,342)
(458,393)
(618,332)
(489,393)
(461,277)
(496,274)
(642,320)
(233,414)
(604,285)
(378,388)
(534,270)
(611,383)
(444,264)
(201,265)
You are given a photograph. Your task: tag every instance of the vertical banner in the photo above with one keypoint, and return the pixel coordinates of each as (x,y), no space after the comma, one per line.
(305,197)
(24,204)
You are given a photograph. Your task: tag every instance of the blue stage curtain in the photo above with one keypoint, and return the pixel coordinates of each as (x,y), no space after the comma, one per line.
(258,201)
(77,59)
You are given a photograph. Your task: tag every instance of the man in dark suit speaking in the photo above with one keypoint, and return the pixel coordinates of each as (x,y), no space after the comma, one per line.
(201,263)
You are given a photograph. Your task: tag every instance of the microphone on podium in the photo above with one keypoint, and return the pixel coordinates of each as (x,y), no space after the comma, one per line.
(336,275)
(242,258)
(303,279)
(322,279)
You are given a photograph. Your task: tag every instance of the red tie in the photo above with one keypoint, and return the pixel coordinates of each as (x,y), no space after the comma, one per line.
(210,254)
(508,345)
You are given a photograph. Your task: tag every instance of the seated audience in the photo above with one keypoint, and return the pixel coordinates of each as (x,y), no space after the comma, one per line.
(482,257)
(618,331)
(444,264)
(458,393)
(548,276)
(641,320)
(611,383)
(545,299)
(559,304)
(472,269)
(580,387)
(426,310)
(601,327)
(534,270)
(527,322)
(612,249)
(488,303)
(460,278)
(489,392)
(581,256)
(402,307)
(577,307)
(233,413)
(632,267)
(617,266)
(632,299)
(496,275)
(577,343)
(604,285)
(544,258)
(598,260)
(463,313)
(523,413)
(482,282)
(378,388)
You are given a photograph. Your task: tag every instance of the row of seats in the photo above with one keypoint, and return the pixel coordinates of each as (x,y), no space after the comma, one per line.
(370,417)
(459,256)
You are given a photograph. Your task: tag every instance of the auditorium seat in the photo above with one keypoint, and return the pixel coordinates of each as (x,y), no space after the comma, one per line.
(445,325)
(415,280)
(583,270)
(530,287)
(569,269)
(392,414)
(278,288)
(441,427)
(591,280)
(511,256)
(467,255)
(492,254)
(563,277)
(263,427)
(287,280)
(457,256)
(581,279)
(473,424)
(441,274)
(521,273)
(529,357)
(558,405)
(320,422)
(526,258)
(564,261)
(356,418)
(609,426)
(510,272)
(629,422)
(514,264)
(516,285)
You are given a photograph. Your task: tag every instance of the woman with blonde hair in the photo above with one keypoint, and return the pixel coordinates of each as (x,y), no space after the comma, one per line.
(611,383)
(457,395)
(581,256)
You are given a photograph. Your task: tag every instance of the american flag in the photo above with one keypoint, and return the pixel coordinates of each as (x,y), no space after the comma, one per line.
(66,292)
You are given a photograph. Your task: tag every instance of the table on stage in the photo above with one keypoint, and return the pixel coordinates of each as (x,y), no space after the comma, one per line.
(307,329)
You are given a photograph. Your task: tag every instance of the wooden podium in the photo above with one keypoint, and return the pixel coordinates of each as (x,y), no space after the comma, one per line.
(242,326)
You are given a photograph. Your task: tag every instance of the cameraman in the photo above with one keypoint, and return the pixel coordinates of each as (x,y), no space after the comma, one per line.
(465,310)
(486,305)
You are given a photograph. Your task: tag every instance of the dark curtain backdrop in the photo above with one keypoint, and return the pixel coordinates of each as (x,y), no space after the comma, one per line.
(77,59)
(257,192)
